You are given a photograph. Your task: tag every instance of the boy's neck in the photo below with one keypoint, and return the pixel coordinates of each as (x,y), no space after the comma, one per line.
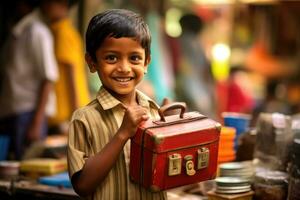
(129,101)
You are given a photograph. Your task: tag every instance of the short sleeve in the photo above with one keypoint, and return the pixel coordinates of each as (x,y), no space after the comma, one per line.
(77,144)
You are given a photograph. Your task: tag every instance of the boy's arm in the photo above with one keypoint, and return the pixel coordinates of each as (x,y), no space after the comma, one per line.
(98,166)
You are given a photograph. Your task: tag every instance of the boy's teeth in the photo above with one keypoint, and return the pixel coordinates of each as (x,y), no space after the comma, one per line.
(123,79)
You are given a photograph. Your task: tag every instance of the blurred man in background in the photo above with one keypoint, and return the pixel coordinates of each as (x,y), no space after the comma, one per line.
(194,80)
(29,71)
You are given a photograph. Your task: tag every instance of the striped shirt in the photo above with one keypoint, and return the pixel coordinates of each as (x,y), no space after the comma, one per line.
(91,128)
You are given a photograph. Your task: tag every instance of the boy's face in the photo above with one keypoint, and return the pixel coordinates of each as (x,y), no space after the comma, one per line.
(120,65)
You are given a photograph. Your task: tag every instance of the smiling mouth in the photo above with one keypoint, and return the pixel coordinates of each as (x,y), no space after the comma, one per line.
(123,79)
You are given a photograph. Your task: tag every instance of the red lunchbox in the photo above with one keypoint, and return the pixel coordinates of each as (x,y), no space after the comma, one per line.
(174,151)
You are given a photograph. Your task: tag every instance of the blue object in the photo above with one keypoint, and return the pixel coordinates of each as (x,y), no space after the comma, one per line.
(61,179)
(239,121)
(4,145)
(15,128)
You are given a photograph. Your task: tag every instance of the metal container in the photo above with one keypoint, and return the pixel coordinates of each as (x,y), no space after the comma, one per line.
(175,150)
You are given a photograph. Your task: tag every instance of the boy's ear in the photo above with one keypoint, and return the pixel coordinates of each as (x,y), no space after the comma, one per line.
(90,62)
(147,62)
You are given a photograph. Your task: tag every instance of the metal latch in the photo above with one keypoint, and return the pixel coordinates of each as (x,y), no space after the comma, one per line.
(203,158)
(189,165)
(175,164)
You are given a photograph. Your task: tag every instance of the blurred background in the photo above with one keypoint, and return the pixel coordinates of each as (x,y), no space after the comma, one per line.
(248,59)
(218,56)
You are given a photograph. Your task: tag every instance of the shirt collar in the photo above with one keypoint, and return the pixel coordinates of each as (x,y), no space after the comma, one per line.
(107,101)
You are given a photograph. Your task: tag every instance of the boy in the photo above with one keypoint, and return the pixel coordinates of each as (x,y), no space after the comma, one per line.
(118,49)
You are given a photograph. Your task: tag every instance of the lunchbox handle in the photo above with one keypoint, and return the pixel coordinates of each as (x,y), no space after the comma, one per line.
(171,106)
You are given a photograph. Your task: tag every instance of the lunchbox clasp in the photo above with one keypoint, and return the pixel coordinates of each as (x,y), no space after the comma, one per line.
(174,164)
(203,157)
(189,165)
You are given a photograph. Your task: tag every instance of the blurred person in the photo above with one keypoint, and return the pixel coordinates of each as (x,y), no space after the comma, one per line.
(194,80)
(10,13)
(275,100)
(71,88)
(239,98)
(26,93)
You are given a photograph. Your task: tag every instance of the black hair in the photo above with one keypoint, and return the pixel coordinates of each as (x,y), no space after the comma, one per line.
(116,23)
(191,22)
(72,2)
(32,3)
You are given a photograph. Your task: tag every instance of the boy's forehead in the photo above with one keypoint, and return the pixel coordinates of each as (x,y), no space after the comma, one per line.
(110,37)
(122,42)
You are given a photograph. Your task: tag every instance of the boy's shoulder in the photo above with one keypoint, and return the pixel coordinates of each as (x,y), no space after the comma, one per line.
(86,110)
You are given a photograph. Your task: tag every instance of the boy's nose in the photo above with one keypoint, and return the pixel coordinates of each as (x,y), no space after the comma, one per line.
(124,67)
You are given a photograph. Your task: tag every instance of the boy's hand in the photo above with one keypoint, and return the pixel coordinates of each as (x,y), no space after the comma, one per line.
(166,101)
(169,112)
(134,115)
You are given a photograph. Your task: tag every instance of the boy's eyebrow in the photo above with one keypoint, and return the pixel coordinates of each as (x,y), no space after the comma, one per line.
(116,51)
(138,52)
(110,51)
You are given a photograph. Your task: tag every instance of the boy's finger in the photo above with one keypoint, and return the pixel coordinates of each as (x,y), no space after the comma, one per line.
(166,101)
(145,117)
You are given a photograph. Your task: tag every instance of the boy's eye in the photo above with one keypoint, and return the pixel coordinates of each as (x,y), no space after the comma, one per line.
(111,58)
(136,58)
